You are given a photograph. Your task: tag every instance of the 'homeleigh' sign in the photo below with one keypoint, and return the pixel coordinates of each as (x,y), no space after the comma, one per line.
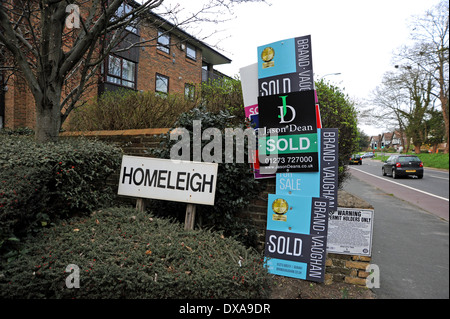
(172,180)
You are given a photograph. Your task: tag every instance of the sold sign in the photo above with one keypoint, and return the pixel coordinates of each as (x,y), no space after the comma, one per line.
(297,109)
(291,144)
(288,130)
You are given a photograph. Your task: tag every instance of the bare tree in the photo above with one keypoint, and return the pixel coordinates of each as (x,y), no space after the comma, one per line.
(405,98)
(58,58)
(389,101)
(430,52)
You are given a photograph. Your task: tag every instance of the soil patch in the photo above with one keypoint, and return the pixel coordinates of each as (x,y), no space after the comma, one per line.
(291,288)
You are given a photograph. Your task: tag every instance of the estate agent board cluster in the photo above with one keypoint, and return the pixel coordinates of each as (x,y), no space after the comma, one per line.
(293,147)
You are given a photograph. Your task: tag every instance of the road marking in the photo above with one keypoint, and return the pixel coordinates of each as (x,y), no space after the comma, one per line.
(386,180)
(438,177)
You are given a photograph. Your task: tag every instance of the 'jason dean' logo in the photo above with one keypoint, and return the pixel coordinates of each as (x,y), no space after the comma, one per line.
(283,111)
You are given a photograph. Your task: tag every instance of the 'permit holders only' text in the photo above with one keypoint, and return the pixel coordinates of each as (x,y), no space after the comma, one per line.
(172,180)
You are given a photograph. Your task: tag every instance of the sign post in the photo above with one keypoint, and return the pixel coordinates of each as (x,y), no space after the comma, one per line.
(140,204)
(189,220)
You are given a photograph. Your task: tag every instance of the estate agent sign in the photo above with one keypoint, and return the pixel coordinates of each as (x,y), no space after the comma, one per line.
(296,236)
(287,107)
(323,183)
(285,66)
(303,218)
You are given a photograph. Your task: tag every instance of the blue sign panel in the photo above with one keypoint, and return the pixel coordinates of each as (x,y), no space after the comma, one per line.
(277,58)
(323,183)
(285,66)
(296,236)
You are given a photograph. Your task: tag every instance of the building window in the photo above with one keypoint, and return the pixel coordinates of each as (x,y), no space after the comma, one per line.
(122,11)
(189,91)
(121,72)
(163,41)
(191,52)
(162,84)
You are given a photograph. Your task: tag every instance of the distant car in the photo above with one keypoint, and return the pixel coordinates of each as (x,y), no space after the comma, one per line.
(368,155)
(355,159)
(403,165)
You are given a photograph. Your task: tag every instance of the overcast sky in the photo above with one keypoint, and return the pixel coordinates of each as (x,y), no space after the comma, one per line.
(353,37)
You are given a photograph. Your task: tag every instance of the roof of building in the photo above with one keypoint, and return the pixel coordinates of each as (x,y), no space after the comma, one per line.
(210,55)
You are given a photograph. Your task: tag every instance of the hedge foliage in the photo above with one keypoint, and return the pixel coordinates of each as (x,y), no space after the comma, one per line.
(224,94)
(123,253)
(40,183)
(127,109)
(338,111)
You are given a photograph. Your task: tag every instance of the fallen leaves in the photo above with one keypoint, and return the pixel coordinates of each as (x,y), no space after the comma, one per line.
(186,246)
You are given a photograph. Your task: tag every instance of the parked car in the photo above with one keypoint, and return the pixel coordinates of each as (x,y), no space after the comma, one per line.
(368,155)
(403,165)
(355,159)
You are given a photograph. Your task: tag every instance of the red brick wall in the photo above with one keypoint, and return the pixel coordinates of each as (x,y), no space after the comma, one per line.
(19,104)
(175,65)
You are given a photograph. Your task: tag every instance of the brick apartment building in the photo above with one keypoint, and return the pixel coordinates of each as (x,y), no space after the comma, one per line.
(173,62)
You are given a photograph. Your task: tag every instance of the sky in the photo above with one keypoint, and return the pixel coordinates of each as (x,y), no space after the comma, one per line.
(355,38)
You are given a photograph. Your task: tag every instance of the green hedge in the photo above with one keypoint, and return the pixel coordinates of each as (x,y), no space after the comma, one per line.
(434,160)
(338,111)
(127,109)
(40,183)
(123,253)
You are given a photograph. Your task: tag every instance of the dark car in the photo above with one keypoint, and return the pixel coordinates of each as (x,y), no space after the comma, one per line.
(403,165)
(355,159)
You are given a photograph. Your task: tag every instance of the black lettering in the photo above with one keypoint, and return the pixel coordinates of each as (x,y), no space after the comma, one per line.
(198,185)
(180,180)
(188,180)
(161,178)
(129,175)
(149,181)
(205,182)
(168,181)
(142,176)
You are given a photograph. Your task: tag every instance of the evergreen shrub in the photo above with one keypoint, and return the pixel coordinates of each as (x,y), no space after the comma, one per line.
(337,110)
(123,253)
(40,183)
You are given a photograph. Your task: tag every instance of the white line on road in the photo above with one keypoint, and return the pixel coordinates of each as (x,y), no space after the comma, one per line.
(386,180)
(438,177)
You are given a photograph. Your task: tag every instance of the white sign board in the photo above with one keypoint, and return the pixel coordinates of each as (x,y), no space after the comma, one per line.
(350,231)
(172,180)
(249,81)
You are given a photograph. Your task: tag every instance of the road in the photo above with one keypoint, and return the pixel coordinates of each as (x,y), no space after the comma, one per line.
(410,243)
(430,193)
